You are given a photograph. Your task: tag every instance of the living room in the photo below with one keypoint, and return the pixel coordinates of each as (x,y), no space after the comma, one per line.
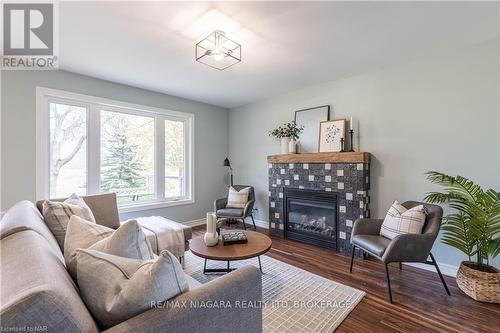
(250,166)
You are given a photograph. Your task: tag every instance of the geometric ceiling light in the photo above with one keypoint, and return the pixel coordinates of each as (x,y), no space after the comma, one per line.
(218,51)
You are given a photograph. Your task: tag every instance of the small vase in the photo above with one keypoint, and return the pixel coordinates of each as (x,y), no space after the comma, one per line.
(211,237)
(292,147)
(285,145)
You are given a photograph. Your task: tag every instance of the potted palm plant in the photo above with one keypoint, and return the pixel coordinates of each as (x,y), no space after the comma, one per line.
(474,229)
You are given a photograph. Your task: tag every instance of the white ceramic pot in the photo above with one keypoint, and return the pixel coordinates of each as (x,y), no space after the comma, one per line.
(285,145)
(211,237)
(292,147)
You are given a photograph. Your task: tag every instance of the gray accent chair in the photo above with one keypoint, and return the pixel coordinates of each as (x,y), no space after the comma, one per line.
(238,214)
(403,248)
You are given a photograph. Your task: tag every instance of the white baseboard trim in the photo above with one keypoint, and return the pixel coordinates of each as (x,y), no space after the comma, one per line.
(262,224)
(446,269)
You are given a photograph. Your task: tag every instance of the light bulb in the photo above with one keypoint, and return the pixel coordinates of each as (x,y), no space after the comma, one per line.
(218,56)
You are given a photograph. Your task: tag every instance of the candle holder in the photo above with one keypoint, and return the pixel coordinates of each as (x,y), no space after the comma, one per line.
(351,134)
(342,145)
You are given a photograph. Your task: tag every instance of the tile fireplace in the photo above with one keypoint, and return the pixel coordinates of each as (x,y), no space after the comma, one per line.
(315,198)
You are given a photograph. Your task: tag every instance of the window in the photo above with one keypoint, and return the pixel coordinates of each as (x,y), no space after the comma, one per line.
(67,149)
(88,145)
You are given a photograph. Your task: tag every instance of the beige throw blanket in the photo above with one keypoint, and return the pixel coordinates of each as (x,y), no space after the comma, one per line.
(163,234)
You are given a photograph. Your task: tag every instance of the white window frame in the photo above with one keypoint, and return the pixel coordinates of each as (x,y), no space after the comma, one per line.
(94,105)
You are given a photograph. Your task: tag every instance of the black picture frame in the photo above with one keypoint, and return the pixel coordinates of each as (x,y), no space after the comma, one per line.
(310,118)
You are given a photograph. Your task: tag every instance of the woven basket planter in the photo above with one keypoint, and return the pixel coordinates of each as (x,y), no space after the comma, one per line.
(481,286)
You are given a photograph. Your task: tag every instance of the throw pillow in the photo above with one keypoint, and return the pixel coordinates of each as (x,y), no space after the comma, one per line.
(57,215)
(237,199)
(116,288)
(127,241)
(400,220)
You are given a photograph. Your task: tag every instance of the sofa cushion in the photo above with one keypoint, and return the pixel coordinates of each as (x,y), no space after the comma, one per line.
(24,216)
(57,214)
(400,220)
(102,205)
(127,241)
(116,288)
(374,244)
(81,234)
(36,289)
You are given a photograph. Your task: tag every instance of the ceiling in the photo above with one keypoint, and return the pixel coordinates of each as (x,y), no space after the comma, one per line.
(285,45)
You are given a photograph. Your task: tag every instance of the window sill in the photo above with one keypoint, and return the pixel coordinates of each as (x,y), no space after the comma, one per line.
(129,208)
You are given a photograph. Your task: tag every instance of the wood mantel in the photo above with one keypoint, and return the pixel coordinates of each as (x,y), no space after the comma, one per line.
(347,157)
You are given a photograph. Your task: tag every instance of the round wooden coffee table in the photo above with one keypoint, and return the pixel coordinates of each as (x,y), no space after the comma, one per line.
(257,245)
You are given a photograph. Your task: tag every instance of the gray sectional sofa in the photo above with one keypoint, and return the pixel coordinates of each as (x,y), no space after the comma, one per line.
(38,294)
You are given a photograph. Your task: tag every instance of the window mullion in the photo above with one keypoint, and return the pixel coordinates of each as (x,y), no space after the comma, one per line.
(160,157)
(94,150)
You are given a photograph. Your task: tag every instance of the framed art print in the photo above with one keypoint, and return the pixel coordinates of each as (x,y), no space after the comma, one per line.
(330,133)
(310,119)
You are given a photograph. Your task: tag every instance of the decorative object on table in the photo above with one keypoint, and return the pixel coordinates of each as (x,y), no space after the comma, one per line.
(211,237)
(234,237)
(351,135)
(330,134)
(288,133)
(218,51)
(366,235)
(473,229)
(310,119)
(226,163)
(223,212)
(342,145)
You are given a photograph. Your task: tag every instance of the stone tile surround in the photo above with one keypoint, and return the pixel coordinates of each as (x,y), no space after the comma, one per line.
(351,182)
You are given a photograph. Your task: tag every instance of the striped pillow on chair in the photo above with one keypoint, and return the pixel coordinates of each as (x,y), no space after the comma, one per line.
(400,220)
(237,199)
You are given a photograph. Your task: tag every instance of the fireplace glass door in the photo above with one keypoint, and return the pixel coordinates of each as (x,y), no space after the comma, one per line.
(314,218)
(311,217)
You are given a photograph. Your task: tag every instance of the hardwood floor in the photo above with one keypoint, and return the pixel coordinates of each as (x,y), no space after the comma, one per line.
(420,301)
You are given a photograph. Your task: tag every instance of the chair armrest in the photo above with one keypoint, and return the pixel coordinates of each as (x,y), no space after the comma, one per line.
(409,248)
(366,227)
(248,208)
(220,204)
(235,293)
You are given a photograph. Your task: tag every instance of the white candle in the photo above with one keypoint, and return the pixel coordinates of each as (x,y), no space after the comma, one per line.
(351,124)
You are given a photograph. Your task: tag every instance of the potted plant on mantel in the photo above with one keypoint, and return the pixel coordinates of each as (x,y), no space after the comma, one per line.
(289,134)
(474,229)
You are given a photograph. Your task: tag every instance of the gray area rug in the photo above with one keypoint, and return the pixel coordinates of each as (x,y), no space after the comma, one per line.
(295,300)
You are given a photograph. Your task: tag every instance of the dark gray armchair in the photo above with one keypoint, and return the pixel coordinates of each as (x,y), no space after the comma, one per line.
(238,214)
(403,248)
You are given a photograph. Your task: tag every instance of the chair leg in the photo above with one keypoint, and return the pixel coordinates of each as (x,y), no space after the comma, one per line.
(440,275)
(388,282)
(253,221)
(400,266)
(352,258)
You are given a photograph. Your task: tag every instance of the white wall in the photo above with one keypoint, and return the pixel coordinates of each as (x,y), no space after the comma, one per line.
(438,113)
(18,136)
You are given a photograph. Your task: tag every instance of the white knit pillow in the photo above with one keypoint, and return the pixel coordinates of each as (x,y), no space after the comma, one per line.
(400,220)
(237,199)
